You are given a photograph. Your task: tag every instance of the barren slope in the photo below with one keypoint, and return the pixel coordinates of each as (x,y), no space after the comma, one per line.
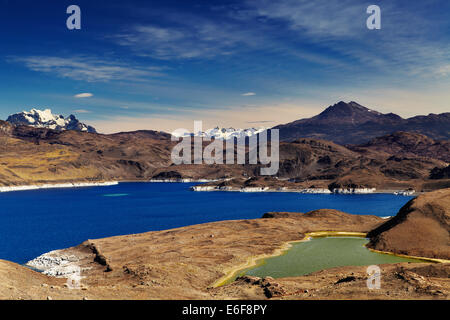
(421,228)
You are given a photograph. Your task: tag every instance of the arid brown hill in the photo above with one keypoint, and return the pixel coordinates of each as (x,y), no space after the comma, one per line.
(351,123)
(35,155)
(311,163)
(420,228)
(408,144)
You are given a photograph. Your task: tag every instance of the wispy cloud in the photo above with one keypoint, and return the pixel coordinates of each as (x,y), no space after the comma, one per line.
(191,37)
(83,95)
(402,45)
(260,122)
(324,18)
(82,111)
(248,94)
(337,29)
(443,70)
(87,68)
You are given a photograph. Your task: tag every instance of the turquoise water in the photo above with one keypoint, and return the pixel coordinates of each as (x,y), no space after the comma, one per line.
(320,254)
(37,221)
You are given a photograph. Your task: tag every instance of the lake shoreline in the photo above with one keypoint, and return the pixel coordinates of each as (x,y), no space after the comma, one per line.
(256,260)
(401,192)
(57,186)
(200,188)
(60,264)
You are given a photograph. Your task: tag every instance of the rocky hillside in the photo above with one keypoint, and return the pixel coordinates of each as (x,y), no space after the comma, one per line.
(408,144)
(38,155)
(351,123)
(440,173)
(421,228)
(311,163)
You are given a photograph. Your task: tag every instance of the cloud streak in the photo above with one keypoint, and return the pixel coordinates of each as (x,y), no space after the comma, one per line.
(402,45)
(336,28)
(83,95)
(184,35)
(87,68)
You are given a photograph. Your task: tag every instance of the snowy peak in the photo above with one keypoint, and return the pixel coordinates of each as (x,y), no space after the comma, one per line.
(46,119)
(222,133)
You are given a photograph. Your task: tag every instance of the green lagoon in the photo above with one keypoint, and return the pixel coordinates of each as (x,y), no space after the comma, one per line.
(320,254)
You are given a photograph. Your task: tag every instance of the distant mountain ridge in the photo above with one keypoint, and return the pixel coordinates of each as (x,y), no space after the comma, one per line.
(352,123)
(408,144)
(36,155)
(46,119)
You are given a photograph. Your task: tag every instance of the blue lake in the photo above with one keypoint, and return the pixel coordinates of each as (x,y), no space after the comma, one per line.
(38,221)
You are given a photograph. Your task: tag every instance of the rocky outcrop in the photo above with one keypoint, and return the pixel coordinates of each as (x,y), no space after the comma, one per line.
(440,173)
(55,264)
(270,287)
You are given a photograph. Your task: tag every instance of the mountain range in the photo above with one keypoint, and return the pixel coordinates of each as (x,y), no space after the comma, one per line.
(394,161)
(46,119)
(352,123)
(343,123)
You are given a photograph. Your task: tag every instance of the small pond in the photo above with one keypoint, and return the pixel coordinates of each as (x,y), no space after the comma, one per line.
(320,254)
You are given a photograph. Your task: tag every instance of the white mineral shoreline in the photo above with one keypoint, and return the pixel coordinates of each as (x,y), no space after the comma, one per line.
(55,264)
(283,189)
(187,180)
(201,188)
(304,190)
(58,185)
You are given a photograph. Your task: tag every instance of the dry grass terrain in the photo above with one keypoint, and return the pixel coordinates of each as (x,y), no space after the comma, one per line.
(22,163)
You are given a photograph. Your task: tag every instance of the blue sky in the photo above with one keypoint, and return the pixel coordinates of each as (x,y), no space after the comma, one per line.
(162,64)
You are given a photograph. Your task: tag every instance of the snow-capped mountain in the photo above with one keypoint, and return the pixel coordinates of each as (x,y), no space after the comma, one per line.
(222,133)
(46,119)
